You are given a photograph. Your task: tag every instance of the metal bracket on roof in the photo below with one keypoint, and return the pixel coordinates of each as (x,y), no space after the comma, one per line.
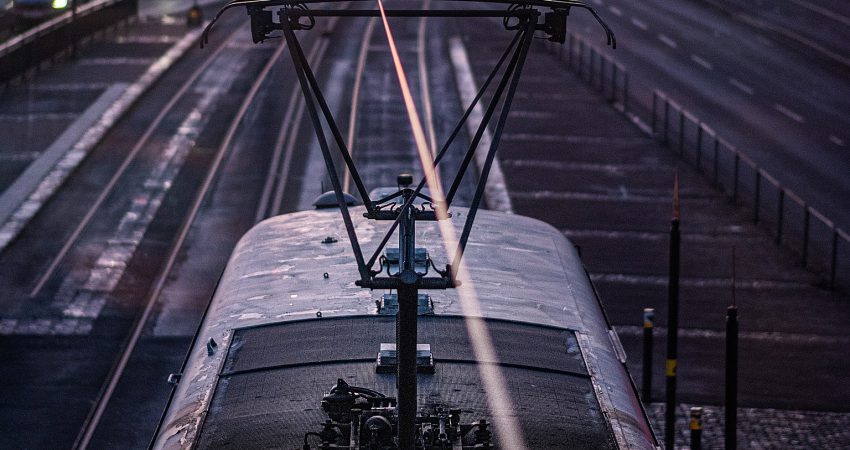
(388,358)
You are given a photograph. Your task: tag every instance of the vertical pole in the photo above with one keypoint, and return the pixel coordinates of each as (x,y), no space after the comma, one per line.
(757,197)
(406,346)
(716,159)
(580,58)
(695,425)
(406,330)
(570,52)
(602,66)
(834,266)
(613,81)
(654,112)
(601,73)
(626,93)
(731,377)
(672,324)
(736,170)
(806,218)
(666,120)
(591,64)
(699,146)
(780,213)
(646,378)
(681,131)
(732,368)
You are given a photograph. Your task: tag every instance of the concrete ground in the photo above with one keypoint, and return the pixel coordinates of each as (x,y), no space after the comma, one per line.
(572,160)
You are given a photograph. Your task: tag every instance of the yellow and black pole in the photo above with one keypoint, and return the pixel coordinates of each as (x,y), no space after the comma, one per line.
(732,368)
(672,324)
(695,425)
(646,378)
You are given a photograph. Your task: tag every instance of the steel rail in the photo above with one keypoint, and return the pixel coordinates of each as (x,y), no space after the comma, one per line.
(458,126)
(260,214)
(355,96)
(293,113)
(507,426)
(282,175)
(125,164)
(423,83)
(87,432)
(278,175)
(315,101)
(317,53)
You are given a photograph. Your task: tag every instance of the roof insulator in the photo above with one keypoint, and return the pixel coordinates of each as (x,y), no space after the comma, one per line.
(328,200)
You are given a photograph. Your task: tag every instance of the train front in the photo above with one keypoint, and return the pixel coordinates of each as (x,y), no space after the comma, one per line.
(292,354)
(392,325)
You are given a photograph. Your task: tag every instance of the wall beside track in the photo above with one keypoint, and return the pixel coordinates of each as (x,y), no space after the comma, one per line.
(29,50)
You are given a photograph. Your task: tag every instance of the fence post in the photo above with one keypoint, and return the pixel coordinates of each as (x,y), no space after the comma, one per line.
(626,92)
(602,59)
(695,426)
(654,114)
(591,64)
(681,130)
(757,197)
(806,218)
(646,367)
(779,215)
(699,146)
(580,58)
(613,81)
(601,71)
(716,160)
(834,265)
(735,177)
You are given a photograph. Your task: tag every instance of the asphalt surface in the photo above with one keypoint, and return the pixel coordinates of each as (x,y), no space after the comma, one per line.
(580,165)
(784,106)
(569,158)
(61,344)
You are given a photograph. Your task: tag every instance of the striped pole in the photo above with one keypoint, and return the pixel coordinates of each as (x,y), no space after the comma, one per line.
(646,378)
(672,323)
(695,426)
(732,368)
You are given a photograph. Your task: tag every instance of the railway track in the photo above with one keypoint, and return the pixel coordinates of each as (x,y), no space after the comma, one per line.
(122,227)
(230,140)
(105,255)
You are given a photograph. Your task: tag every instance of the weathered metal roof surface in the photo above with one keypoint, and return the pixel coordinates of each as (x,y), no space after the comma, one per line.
(273,378)
(524,270)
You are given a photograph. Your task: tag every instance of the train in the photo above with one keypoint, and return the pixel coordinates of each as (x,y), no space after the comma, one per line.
(305,345)
(286,323)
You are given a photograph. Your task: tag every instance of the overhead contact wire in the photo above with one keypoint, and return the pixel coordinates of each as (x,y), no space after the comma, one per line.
(355,97)
(507,426)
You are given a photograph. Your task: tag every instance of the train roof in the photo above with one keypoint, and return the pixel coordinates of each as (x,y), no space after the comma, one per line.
(287,320)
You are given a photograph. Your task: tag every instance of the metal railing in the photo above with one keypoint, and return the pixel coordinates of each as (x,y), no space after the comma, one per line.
(821,246)
(598,69)
(30,49)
